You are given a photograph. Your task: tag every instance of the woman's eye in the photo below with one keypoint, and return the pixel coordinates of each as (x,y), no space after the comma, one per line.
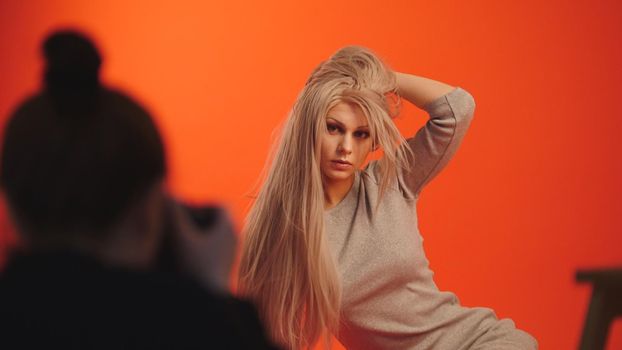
(332,128)
(361,134)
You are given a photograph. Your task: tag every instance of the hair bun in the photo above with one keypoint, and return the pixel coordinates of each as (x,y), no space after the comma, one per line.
(72,64)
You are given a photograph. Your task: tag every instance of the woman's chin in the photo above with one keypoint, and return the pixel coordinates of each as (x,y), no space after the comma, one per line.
(338,176)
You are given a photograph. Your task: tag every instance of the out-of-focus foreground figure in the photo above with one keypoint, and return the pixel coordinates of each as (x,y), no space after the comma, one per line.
(82,171)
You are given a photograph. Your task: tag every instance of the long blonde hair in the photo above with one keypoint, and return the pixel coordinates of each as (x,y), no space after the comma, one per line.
(286,267)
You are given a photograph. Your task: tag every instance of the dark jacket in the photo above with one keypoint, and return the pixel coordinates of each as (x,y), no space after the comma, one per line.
(69,301)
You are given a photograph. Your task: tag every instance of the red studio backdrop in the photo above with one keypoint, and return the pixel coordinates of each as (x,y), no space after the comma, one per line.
(532,195)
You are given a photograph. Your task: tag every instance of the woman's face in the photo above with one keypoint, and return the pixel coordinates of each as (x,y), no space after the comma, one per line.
(345,144)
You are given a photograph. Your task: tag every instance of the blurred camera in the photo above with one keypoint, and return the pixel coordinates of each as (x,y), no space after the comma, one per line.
(202,217)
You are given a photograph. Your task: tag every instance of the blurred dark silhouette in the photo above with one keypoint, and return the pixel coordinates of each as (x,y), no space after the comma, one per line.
(82,170)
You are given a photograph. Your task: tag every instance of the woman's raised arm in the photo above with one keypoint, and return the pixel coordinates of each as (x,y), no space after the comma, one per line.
(420,91)
(450,110)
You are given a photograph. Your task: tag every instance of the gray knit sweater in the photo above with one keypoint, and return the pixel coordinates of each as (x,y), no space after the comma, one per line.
(390,300)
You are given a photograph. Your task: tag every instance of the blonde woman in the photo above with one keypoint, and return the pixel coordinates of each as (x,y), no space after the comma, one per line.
(333,249)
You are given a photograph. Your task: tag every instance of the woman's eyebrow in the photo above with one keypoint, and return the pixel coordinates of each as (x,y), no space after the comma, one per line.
(335,120)
(343,126)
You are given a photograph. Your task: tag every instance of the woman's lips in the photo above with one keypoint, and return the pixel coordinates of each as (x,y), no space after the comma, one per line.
(341,164)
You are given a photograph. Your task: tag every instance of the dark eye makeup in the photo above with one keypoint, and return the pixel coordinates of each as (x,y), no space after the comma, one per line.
(334,128)
(361,134)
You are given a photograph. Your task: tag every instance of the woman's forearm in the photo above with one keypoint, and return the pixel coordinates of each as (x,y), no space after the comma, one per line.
(419,90)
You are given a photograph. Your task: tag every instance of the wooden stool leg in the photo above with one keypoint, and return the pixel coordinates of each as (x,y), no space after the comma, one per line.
(597,321)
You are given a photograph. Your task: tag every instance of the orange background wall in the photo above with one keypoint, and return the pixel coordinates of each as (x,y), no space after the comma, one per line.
(533,194)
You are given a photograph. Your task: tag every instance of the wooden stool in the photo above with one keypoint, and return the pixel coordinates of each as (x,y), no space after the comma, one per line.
(605,305)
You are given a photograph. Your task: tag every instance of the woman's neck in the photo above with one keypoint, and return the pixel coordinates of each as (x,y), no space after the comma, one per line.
(336,191)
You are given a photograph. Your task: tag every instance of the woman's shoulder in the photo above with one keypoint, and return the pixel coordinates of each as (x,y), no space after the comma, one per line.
(372,174)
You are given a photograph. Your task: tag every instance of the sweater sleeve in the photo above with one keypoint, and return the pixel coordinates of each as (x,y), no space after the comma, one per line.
(438,140)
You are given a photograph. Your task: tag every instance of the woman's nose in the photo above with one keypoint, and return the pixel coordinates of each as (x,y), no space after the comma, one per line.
(345,145)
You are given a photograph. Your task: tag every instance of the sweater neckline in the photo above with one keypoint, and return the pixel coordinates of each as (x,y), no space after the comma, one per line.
(348,197)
